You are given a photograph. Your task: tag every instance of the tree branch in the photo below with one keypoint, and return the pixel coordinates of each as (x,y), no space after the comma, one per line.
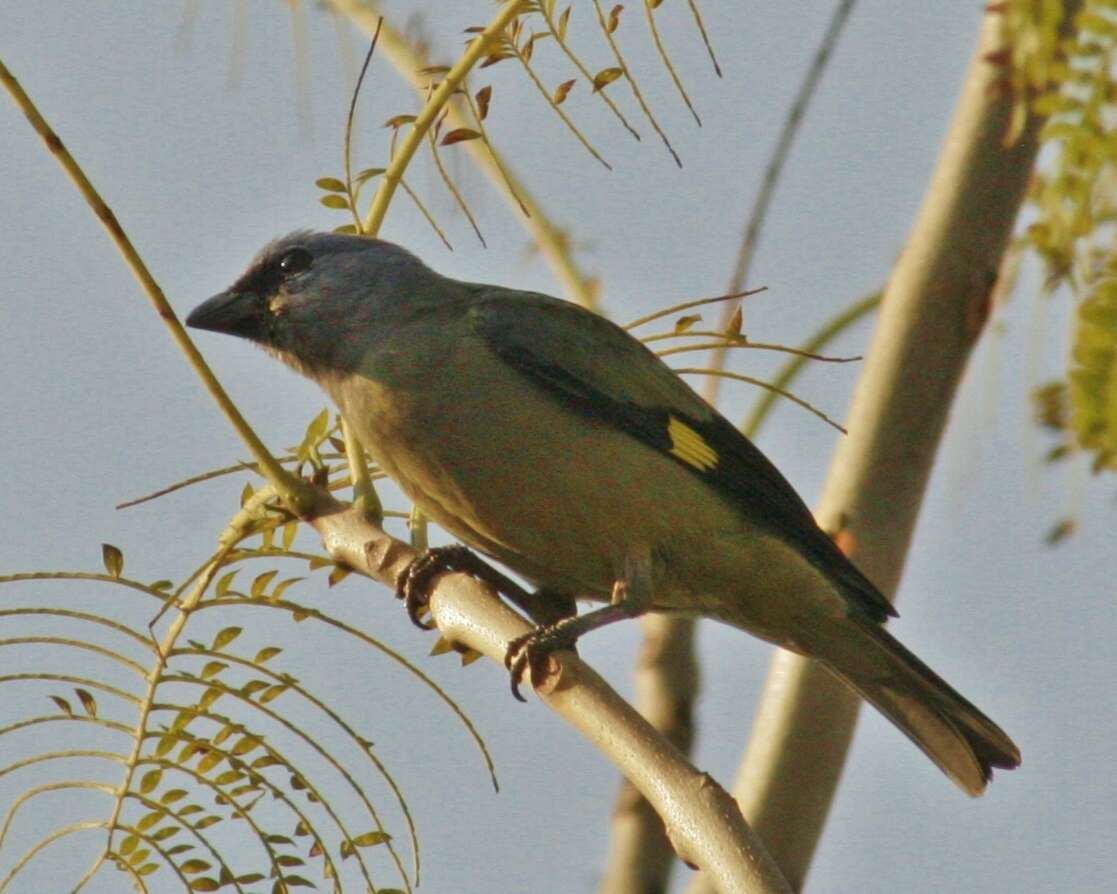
(703,823)
(934,309)
(640,858)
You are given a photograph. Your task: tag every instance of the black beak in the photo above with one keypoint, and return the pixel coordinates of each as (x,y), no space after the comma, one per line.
(231,312)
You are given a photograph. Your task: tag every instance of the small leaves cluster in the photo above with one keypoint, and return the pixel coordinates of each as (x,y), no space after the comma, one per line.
(461,119)
(211,742)
(1082,412)
(1065,76)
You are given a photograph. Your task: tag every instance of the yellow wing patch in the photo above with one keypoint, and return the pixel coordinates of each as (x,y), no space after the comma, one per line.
(689,446)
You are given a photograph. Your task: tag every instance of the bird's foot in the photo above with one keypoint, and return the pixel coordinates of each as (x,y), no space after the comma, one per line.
(529,655)
(415,587)
(417,581)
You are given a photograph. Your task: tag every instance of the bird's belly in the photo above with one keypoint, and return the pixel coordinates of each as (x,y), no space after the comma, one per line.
(565,501)
(558,498)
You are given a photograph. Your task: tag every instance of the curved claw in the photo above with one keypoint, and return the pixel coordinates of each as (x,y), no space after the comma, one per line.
(529,653)
(414,589)
(516,661)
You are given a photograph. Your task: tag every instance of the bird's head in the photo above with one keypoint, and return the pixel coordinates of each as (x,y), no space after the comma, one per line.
(316,299)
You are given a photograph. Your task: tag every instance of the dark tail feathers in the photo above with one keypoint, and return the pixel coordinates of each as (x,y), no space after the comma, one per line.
(963,742)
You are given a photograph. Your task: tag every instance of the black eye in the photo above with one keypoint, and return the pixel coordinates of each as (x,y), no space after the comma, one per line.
(295,261)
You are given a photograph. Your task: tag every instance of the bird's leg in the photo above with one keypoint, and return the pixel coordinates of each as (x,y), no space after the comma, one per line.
(543,606)
(631,596)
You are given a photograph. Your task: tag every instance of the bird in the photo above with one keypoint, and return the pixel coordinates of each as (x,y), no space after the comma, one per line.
(548,438)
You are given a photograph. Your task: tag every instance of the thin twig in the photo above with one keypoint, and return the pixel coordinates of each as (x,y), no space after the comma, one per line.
(632,82)
(705,37)
(519,54)
(739,341)
(760,383)
(479,122)
(432,137)
(297,494)
(548,17)
(662,50)
(698,302)
(348,142)
(773,170)
(408,59)
(393,176)
(791,370)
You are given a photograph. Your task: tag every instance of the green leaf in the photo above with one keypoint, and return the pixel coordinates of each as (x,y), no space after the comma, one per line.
(484,97)
(260,584)
(165,833)
(150,781)
(245,745)
(224,637)
(562,90)
(63,704)
(128,845)
(212,668)
(331,184)
(563,21)
(175,794)
(113,559)
(441,646)
(684,323)
(605,77)
(210,761)
(205,883)
(150,819)
(224,583)
(273,692)
(206,821)
(369,839)
(268,652)
(316,430)
(335,201)
(367,174)
(250,688)
(399,120)
(459,135)
(614,18)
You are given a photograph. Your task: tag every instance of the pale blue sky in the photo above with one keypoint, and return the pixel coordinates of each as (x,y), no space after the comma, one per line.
(99,408)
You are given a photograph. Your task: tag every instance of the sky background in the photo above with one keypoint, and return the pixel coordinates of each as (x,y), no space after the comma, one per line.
(206,141)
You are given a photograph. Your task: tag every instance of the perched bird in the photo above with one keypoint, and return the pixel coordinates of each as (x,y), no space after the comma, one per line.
(551,440)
